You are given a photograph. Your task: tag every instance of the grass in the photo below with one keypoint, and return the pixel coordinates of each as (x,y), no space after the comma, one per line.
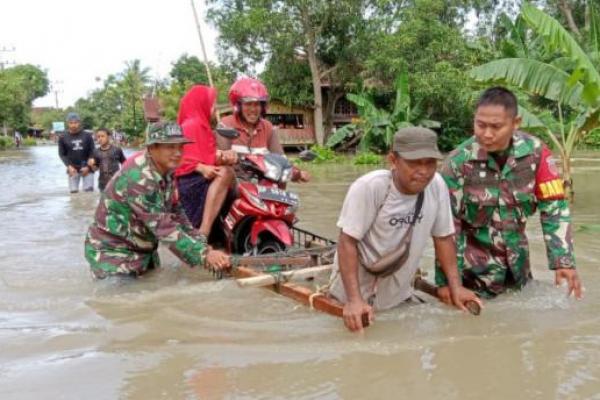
(29,141)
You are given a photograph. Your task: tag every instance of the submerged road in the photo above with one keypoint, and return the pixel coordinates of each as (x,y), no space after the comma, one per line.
(179,334)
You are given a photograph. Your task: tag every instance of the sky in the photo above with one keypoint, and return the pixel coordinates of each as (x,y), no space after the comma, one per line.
(78,41)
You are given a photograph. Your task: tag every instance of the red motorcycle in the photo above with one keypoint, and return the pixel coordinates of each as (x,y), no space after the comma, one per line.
(261,217)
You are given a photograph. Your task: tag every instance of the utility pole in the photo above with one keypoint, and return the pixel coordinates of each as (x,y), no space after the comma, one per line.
(55,87)
(4,62)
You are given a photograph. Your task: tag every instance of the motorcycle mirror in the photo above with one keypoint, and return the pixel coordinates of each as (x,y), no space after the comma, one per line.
(307,155)
(227,133)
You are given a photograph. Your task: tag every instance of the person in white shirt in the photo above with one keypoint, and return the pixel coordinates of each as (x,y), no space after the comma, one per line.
(386,220)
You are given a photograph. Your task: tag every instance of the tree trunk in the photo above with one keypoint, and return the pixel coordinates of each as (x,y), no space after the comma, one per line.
(568,179)
(315,72)
(567,12)
(332,98)
(316,82)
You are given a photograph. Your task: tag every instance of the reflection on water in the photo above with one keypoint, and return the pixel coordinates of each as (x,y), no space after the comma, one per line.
(178,334)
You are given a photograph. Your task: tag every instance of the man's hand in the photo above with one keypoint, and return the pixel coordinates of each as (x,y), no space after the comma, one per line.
(304,176)
(457,297)
(71,170)
(217,259)
(227,157)
(353,312)
(209,172)
(572,278)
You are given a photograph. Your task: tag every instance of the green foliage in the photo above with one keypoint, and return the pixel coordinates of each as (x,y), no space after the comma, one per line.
(6,142)
(44,119)
(324,154)
(341,135)
(377,125)
(186,72)
(368,158)
(118,103)
(303,44)
(593,139)
(426,39)
(29,141)
(19,86)
(288,79)
(571,84)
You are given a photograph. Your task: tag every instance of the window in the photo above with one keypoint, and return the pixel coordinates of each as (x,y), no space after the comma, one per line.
(287,121)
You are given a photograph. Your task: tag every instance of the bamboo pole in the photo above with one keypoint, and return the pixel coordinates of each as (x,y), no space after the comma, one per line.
(284,276)
(210,80)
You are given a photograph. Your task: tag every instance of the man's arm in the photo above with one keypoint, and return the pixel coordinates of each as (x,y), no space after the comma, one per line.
(121,156)
(455,190)
(348,267)
(89,146)
(168,228)
(274,145)
(223,143)
(555,218)
(62,151)
(454,293)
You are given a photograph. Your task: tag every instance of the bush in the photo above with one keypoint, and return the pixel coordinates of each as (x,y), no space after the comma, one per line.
(324,154)
(6,142)
(29,141)
(593,139)
(368,158)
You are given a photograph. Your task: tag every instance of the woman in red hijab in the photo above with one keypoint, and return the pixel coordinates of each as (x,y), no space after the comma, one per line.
(203,177)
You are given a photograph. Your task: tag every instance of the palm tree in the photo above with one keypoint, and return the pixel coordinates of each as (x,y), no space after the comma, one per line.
(571,82)
(133,84)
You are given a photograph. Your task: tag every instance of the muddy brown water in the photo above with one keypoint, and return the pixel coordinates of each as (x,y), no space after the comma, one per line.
(178,334)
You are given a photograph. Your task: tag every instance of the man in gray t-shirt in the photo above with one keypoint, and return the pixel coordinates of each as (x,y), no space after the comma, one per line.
(386,220)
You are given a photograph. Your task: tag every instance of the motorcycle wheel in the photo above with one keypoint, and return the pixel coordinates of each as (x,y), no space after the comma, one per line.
(269,244)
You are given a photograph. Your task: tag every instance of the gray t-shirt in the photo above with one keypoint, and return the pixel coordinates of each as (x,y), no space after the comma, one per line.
(377,215)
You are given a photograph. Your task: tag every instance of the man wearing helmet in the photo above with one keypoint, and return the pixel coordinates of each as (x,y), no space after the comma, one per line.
(249,98)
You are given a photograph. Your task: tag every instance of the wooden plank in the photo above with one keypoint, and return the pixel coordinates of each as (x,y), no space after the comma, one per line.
(297,292)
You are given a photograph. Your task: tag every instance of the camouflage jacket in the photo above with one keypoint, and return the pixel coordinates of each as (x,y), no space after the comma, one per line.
(138,209)
(491,206)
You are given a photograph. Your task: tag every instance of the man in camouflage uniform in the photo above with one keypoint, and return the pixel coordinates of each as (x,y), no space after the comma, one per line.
(497,179)
(139,208)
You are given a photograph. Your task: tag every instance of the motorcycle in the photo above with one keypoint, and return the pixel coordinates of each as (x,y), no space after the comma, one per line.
(261,217)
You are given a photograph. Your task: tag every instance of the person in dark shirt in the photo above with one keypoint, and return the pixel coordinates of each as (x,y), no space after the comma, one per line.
(107,157)
(76,149)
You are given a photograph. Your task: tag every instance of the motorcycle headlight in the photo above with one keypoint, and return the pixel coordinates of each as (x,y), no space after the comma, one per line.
(273,172)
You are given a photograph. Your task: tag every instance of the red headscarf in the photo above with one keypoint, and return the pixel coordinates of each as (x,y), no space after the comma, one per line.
(194,119)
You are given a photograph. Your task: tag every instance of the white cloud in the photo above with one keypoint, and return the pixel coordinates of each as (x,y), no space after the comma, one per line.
(77,41)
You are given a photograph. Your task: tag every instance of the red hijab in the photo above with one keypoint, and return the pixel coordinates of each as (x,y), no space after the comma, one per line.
(194,119)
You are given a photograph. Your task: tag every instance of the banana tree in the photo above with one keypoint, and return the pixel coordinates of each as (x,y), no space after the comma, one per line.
(376,126)
(571,81)
(563,133)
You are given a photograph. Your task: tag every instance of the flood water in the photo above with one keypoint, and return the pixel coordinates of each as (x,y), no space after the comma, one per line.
(178,334)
